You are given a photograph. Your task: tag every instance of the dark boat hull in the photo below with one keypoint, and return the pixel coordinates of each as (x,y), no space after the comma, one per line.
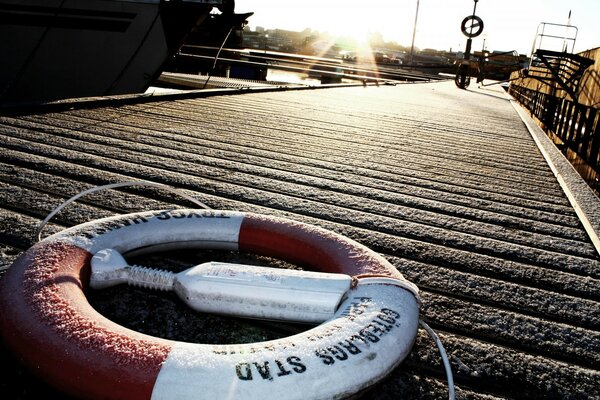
(57,49)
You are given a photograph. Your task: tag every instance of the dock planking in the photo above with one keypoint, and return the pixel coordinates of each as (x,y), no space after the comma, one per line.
(448,185)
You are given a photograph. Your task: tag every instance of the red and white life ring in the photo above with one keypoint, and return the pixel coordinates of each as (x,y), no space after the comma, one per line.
(49,324)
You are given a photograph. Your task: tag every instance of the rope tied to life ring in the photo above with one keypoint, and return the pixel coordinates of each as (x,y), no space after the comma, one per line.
(48,322)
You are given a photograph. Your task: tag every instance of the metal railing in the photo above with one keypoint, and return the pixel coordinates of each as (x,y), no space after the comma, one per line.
(576,125)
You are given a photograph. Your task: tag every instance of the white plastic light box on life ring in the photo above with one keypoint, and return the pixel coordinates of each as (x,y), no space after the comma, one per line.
(369,312)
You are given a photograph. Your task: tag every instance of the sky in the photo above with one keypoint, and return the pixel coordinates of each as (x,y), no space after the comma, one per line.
(508,24)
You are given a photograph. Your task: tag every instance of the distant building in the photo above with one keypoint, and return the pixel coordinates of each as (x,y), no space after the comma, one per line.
(281,40)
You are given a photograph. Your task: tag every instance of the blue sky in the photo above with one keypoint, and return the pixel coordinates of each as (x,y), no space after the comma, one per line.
(509,24)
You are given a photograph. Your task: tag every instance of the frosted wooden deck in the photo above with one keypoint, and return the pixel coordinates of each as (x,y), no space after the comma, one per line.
(448,185)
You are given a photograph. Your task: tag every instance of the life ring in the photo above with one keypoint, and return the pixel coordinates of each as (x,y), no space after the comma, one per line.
(469,23)
(47,321)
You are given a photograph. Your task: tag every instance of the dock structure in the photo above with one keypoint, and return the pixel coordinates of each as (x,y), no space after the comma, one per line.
(456,188)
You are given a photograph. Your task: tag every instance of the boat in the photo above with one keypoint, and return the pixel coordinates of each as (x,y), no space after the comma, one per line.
(60,49)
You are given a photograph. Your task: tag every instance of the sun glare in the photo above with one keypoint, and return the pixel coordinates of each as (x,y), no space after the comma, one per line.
(364,53)
(351,28)
(357,32)
(352,20)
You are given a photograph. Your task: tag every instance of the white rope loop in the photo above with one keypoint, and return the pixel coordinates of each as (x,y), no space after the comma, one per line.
(38,233)
(442,350)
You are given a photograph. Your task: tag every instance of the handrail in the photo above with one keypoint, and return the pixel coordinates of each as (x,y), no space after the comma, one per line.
(540,36)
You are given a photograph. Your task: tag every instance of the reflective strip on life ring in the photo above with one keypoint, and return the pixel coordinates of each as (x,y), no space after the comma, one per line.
(49,324)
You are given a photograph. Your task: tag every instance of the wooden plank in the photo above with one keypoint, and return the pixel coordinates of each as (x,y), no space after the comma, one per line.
(448,185)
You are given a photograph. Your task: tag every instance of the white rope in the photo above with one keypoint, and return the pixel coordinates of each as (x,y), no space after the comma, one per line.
(444,356)
(38,233)
(217,58)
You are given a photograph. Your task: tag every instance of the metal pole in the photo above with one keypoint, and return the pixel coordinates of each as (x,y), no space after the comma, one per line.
(466,62)
(565,47)
(412,46)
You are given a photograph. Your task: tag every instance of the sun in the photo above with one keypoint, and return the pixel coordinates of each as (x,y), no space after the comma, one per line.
(357,32)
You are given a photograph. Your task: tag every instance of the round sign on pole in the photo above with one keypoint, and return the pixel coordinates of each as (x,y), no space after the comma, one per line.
(471,26)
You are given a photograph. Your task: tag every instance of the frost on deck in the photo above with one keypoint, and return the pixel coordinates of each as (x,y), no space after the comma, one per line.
(447,185)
